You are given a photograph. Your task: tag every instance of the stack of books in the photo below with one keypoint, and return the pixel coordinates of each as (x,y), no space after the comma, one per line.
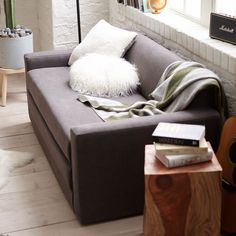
(181,144)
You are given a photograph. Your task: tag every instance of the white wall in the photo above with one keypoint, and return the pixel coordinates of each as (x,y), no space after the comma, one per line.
(64,24)
(27,14)
(45,24)
(54,22)
(65,20)
(57,20)
(91,12)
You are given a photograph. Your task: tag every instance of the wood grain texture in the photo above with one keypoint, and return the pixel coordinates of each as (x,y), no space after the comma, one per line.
(227,157)
(4,90)
(13,107)
(3,74)
(170,195)
(12,71)
(228,212)
(227,161)
(15,125)
(33,209)
(125,227)
(18,141)
(183,201)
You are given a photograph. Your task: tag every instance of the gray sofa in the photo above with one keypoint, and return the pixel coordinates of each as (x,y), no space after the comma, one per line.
(99,165)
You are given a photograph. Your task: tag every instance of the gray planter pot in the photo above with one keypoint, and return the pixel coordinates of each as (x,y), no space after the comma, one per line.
(12,51)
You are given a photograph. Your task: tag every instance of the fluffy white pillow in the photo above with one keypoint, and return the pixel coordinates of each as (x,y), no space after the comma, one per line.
(106,39)
(103,75)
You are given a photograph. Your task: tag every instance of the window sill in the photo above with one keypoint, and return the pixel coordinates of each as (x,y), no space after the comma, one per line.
(191,36)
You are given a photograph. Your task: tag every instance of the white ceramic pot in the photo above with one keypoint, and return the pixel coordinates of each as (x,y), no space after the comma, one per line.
(12,51)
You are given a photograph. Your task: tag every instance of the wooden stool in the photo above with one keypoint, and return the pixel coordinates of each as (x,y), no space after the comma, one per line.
(181,201)
(3,78)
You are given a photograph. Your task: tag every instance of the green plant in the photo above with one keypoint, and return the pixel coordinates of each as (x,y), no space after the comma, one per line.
(9,8)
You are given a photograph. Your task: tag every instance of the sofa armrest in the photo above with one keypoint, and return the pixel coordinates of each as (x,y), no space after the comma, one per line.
(108,160)
(46,59)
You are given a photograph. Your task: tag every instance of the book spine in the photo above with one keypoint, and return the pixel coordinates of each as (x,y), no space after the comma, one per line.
(172,161)
(163,159)
(176,141)
(189,161)
(181,151)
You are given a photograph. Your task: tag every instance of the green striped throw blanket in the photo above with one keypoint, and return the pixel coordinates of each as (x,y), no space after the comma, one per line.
(179,84)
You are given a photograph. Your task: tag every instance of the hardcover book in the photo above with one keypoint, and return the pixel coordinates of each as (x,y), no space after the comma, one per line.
(179,134)
(172,161)
(129,2)
(136,4)
(170,149)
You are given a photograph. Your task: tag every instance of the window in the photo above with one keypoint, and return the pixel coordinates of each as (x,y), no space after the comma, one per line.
(226,7)
(188,7)
(199,10)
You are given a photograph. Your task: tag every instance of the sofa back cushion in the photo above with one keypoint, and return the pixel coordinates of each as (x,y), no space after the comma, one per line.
(151,60)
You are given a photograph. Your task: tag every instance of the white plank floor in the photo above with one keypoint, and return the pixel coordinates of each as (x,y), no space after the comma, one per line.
(32,203)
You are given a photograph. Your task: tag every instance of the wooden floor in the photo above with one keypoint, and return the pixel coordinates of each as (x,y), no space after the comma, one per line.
(32,203)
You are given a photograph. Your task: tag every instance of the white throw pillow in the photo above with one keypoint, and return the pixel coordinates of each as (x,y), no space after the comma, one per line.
(106,39)
(104,76)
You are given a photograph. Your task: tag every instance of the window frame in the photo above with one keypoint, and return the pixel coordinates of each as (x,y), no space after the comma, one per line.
(206,8)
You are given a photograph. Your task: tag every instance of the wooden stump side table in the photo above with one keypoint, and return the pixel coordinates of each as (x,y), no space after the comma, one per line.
(3,81)
(182,201)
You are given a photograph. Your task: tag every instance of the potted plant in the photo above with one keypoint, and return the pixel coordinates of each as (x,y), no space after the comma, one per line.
(15,40)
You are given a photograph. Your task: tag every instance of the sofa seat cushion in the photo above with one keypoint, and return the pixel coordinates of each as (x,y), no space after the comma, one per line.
(58,104)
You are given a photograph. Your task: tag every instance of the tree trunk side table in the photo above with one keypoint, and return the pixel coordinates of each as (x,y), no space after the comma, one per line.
(182,201)
(3,81)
